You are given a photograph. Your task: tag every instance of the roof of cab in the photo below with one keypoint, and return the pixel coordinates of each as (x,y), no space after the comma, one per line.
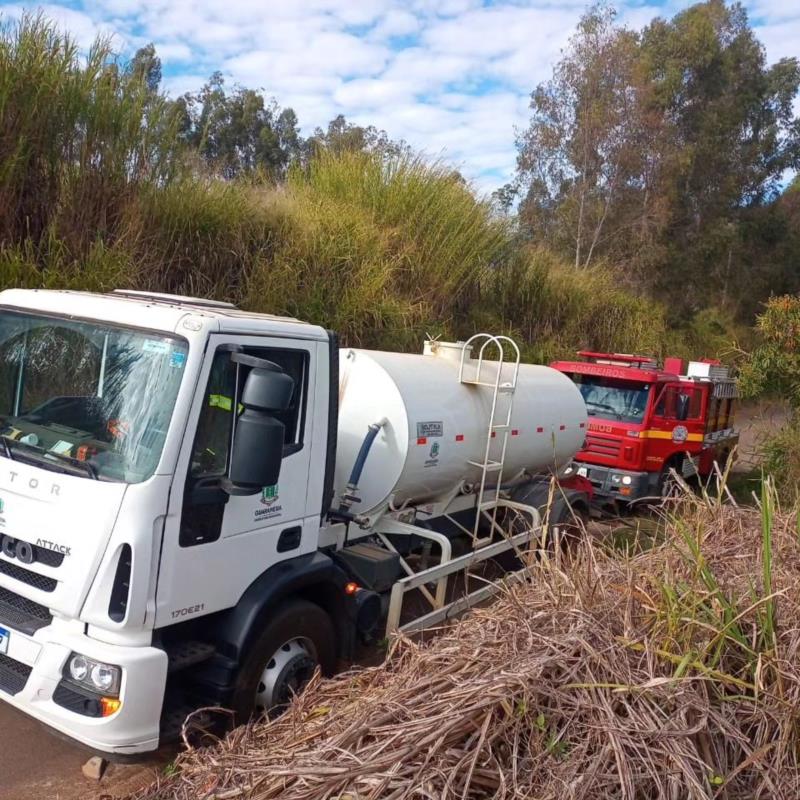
(165,311)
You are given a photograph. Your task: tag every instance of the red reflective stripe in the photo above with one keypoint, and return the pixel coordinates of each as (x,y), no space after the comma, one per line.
(459,437)
(583,424)
(494,433)
(422,440)
(540,430)
(562,427)
(515,432)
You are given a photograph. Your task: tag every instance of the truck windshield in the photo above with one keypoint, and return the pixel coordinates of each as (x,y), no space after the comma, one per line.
(86,398)
(613,399)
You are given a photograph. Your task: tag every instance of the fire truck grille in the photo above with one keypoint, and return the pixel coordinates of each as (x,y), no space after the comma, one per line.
(600,445)
(34,579)
(21,613)
(13,675)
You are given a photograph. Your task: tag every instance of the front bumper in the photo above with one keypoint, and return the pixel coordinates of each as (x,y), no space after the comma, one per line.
(32,669)
(606,489)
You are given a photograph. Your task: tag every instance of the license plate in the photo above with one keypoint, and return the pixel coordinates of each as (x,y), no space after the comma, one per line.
(4,634)
(583,472)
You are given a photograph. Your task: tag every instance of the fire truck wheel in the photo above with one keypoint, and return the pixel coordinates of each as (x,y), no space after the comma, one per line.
(298,639)
(668,484)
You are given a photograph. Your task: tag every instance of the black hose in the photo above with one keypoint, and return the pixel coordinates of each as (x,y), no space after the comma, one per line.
(358,466)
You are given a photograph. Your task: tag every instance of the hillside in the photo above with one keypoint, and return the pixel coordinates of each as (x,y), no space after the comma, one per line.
(100,189)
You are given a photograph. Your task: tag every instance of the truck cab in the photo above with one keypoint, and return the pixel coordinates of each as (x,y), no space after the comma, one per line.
(116,441)
(648,422)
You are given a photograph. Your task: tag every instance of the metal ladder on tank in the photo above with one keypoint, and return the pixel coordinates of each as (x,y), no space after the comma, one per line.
(488,499)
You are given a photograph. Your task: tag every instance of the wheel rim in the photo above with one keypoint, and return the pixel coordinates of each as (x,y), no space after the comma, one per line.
(285,674)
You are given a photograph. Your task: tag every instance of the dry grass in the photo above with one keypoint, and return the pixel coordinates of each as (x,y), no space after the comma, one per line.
(672,673)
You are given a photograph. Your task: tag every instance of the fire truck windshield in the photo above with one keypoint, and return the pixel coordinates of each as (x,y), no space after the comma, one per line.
(612,398)
(87,398)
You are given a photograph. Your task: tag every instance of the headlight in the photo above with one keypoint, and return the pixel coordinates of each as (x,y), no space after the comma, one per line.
(616,479)
(78,668)
(94,675)
(627,480)
(568,470)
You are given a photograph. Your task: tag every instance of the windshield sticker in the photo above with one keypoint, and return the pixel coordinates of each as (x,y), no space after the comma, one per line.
(177,359)
(154,346)
(61,447)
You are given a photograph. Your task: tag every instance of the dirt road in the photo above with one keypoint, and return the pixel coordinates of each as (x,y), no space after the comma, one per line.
(755,422)
(35,765)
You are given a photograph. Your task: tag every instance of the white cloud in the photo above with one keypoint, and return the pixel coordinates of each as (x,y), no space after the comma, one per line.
(396,23)
(452,77)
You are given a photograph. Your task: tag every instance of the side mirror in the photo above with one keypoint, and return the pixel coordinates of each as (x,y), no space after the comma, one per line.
(683,407)
(258,438)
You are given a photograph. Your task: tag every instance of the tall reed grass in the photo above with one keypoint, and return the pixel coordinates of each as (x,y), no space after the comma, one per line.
(97,190)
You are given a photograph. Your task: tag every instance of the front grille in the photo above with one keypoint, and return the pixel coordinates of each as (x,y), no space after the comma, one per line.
(13,675)
(50,558)
(34,579)
(23,614)
(12,546)
(607,446)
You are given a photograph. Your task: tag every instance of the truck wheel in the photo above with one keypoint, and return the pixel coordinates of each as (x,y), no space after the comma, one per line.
(569,526)
(298,638)
(668,485)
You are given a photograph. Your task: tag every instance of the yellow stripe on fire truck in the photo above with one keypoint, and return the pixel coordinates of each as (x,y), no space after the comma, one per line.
(690,437)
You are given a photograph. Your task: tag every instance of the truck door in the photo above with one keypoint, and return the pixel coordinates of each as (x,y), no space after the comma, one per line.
(216,544)
(677,422)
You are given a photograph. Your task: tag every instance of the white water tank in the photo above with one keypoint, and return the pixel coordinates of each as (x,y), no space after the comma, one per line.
(436,425)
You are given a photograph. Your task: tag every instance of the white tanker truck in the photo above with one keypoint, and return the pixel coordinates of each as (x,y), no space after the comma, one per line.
(200,506)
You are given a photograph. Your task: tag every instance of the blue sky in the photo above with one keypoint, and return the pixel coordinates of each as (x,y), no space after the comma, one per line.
(451,77)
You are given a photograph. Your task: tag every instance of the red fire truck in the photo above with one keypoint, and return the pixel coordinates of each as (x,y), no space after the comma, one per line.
(646,421)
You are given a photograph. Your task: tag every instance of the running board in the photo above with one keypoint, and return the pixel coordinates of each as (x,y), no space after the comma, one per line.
(522,541)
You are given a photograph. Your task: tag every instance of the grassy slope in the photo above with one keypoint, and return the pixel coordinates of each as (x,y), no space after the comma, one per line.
(97,191)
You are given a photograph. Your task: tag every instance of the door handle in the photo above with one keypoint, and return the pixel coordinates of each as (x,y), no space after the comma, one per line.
(290,539)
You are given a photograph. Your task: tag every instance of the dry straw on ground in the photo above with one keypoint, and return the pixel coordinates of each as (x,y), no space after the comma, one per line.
(670,673)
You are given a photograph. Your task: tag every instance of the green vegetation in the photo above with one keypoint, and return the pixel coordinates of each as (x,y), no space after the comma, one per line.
(772,369)
(663,152)
(106,182)
(99,188)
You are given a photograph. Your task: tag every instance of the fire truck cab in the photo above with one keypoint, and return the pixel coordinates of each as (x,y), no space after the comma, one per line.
(648,420)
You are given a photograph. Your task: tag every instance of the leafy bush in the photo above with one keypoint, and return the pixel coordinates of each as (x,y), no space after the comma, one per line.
(773,368)
(782,461)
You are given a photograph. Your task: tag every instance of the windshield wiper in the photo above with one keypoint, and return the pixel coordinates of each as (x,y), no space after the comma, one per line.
(604,405)
(6,448)
(88,468)
(42,456)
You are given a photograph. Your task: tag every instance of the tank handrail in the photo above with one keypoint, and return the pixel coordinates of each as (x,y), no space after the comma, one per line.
(497,340)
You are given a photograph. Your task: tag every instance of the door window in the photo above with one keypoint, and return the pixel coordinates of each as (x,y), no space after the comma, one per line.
(675,398)
(204,499)
(226,380)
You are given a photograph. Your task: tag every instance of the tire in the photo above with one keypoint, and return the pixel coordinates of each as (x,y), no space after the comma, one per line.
(668,486)
(569,527)
(298,638)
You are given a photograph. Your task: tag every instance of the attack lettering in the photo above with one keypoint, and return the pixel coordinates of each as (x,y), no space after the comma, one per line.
(58,548)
